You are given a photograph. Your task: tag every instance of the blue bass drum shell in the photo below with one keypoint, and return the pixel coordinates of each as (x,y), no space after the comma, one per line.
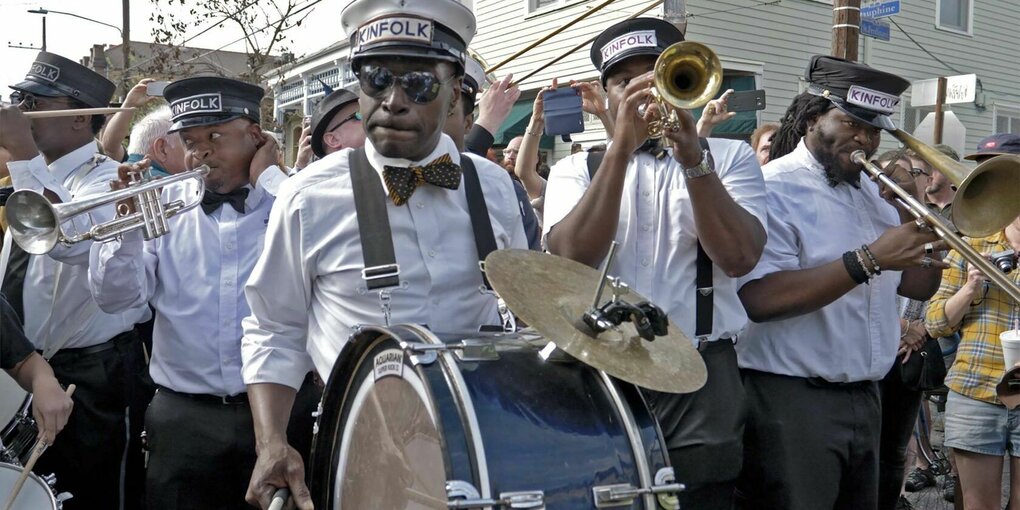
(400,428)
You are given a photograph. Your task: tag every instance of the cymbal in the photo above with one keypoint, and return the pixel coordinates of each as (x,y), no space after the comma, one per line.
(552,293)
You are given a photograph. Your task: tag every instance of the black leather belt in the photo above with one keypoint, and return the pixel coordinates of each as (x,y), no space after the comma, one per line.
(239,399)
(822,383)
(78,352)
(715,345)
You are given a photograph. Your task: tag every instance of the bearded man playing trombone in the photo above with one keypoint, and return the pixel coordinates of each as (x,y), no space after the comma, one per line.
(825,325)
(689,217)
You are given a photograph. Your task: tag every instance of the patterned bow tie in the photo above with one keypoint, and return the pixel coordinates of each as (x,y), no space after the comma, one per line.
(654,147)
(402,181)
(212,200)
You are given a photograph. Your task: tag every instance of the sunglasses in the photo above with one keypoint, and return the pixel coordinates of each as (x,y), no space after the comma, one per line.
(422,87)
(353,116)
(914,172)
(29,103)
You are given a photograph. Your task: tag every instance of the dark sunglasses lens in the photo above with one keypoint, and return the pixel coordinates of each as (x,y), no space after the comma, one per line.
(421,87)
(375,79)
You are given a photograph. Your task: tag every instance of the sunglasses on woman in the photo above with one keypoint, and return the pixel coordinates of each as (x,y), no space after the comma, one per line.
(422,87)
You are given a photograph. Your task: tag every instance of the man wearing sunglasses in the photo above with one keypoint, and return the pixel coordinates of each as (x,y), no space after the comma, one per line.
(318,277)
(59,158)
(336,124)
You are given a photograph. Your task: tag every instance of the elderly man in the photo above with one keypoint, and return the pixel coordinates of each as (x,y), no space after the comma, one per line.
(151,138)
(307,292)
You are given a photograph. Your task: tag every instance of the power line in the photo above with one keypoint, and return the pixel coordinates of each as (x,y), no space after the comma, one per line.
(930,54)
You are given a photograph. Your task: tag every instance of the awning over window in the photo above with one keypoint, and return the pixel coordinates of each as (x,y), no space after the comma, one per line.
(517,122)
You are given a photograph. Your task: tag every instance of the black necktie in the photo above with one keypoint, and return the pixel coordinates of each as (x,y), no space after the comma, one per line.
(654,147)
(402,181)
(213,200)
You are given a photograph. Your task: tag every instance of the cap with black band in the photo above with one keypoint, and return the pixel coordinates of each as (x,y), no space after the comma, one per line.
(863,92)
(54,76)
(207,100)
(437,29)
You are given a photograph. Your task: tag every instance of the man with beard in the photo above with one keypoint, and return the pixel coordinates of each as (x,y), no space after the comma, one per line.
(820,340)
(199,426)
(319,277)
(688,214)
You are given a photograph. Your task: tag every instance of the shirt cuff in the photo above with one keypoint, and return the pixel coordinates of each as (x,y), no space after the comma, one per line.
(271,179)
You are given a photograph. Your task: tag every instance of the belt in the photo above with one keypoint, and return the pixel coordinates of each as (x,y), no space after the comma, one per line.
(715,345)
(822,383)
(239,399)
(78,352)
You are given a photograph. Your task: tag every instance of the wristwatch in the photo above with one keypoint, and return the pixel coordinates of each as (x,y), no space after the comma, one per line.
(703,168)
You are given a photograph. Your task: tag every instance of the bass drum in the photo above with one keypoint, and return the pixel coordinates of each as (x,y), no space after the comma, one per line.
(408,421)
(19,433)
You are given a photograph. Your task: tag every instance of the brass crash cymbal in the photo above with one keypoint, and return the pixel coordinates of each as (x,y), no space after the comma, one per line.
(552,293)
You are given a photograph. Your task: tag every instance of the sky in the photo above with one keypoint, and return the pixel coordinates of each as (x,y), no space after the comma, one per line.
(72,38)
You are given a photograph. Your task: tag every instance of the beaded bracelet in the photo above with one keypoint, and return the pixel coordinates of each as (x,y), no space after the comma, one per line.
(871,257)
(854,268)
(860,260)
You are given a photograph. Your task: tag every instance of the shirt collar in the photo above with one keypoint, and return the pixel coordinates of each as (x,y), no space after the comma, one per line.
(807,159)
(62,168)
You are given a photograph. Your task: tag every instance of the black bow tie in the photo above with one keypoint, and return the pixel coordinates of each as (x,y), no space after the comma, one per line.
(213,200)
(654,147)
(402,181)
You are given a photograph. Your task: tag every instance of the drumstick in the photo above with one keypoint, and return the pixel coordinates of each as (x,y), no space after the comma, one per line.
(45,114)
(280,498)
(40,447)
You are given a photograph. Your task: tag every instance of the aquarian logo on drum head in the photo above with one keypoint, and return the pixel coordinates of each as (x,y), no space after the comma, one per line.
(389,363)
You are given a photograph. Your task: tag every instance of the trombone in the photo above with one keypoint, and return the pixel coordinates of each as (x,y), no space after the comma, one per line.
(36,224)
(687,75)
(987,178)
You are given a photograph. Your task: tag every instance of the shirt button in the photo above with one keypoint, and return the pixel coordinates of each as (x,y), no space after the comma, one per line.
(644,262)
(420,205)
(647,193)
(229,246)
(228,282)
(432,253)
(646,228)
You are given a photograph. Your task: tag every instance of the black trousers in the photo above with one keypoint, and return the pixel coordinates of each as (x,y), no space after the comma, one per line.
(138,390)
(704,430)
(900,406)
(87,455)
(201,453)
(809,445)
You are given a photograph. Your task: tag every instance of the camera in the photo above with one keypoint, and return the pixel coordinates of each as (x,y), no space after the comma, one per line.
(1005,260)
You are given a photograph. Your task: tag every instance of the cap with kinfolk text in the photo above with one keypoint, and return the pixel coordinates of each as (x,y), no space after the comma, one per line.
(323,116)
(861,91)
(996,145)
(438,29)
(630,38)
(52,75)
(206,100)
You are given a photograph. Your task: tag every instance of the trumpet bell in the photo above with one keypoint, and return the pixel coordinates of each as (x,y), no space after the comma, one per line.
(688,75)
(32,222)
(988,198)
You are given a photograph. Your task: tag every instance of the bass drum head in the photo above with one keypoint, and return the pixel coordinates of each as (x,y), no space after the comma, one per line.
(34,495)
(378,441)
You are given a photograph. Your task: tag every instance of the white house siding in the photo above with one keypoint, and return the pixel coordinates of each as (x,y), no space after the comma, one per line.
(778,39)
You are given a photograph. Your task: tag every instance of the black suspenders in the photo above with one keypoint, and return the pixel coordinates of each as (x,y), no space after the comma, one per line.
(381,269)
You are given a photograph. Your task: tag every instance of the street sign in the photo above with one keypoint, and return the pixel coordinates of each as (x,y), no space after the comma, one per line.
(959,89)
(876,28)
(954,133)
(880,9)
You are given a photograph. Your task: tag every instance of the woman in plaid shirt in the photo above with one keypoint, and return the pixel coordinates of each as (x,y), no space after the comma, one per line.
(978,427)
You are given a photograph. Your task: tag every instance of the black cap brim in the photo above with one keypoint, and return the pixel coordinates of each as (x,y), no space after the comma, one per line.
(203,120)
(624,55)
(38,89)
(870,117)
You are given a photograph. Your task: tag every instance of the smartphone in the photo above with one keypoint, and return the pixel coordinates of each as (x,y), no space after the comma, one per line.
(155,88)
(562,111)
(746,101)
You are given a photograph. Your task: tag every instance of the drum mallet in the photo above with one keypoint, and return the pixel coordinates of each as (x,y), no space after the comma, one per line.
(280,498)
(40,447)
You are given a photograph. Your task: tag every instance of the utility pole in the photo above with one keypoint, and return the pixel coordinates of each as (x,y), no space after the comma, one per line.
(126,44)
(846,28)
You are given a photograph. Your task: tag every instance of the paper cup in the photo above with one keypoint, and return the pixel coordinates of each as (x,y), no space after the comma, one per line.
(1010,341)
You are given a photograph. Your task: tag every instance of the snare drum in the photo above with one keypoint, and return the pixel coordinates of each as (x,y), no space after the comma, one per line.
(34,495)
(20,433)
(409,421)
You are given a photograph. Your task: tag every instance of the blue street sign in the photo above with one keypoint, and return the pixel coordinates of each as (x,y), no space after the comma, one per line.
(875,28)
(880,9)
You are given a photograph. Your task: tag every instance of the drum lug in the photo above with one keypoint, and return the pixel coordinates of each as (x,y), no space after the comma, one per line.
(623,494)
(61,498)
(513,500)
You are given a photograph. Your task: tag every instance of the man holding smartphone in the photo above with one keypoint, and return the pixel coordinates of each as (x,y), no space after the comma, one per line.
(688,214)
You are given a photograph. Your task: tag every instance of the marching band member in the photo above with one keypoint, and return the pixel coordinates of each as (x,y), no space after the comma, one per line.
(59,157)
(307,291)
(199,426)
(663,205)
(820,340)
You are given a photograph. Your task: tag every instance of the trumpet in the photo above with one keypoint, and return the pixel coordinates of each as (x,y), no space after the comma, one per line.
(36,224)
(687,75)
(991,178)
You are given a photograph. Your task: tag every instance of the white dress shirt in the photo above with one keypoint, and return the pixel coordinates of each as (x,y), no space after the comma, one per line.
(657,235)
(306,293)
(59,310)
(193,277)
(811,223)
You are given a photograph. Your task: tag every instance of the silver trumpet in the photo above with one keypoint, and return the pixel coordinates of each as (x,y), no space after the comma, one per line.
(36,224)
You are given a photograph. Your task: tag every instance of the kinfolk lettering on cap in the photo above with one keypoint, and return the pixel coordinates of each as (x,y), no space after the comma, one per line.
(639,39)
(872,99)
(48,72)
(200,103)
(409,29)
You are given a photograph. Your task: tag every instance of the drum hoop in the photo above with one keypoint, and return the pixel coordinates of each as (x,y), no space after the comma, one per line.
(16,470)
(636,443)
